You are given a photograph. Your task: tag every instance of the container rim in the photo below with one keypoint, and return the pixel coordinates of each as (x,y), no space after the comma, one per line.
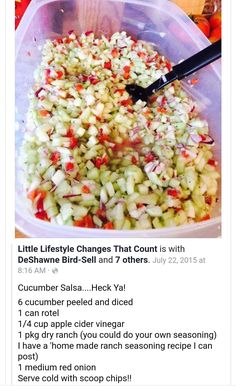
(60,230)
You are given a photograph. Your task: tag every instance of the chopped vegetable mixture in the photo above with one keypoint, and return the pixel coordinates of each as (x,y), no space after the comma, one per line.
(95,159)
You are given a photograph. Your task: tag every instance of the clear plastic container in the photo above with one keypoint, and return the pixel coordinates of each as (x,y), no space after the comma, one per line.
(157,21)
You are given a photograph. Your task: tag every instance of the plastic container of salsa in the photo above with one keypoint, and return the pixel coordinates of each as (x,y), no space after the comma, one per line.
(158,21)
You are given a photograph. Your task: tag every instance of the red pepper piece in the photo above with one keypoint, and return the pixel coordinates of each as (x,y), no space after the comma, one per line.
(126,68)
(208,200)
(59,74)
(168,65)
(173,192)
(107,65)
(42,215)
(120,91)
(85,189)
(44,113)
(59,40)
(140,205)
(73,142)
(134,160)
(93,80)
(98,162)
(85,222)
(70,132)
(115,52)
(184,153)
(103,137)
(211,162)
(79,87)
(55,156)
(141,54)
(108,225)
(69,166)
(126,102)
(149,157)
(206,217)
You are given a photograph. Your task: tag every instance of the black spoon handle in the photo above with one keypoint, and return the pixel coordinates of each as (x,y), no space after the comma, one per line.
(188,66)
(199,60)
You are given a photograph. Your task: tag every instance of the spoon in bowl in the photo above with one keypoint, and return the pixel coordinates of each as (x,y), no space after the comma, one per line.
(179,71)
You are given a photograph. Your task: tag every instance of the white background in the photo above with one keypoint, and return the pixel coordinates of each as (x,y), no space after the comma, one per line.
(219,248)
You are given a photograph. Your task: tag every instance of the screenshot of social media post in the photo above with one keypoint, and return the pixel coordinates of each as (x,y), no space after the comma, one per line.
(119,261)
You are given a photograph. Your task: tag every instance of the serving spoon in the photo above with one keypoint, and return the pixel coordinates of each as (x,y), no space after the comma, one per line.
(179,71)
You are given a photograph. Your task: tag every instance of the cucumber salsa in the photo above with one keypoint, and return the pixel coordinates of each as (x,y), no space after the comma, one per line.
(92,158)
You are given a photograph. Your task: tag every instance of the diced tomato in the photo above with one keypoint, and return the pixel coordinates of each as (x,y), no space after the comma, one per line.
(105,159)
(114,75)
(84,78)
(134,160)
(149,157)
(126,75)
(163,101)
(73,142)
(44,113)
(87,33)
(184,153)
(140,205)
(31,195)
(126,68)
(107,65)
(70,132)
(211,162)
(79,87)
(47,72)
(59,40)
(59,74)
(141,54)
(127,102)
(68,40)
(69,166)
(85,222)
(161,110)
(42,215)
(114,52)
(55,156)
(206,217)
(152,59)
(208,200)
(130,110)
(109,225)
(136,141)
(39,205)
(203,137)
(173,192)
(85,189)
(120,91)
(98,162)
(168,65)
(93,80)
(103,137)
